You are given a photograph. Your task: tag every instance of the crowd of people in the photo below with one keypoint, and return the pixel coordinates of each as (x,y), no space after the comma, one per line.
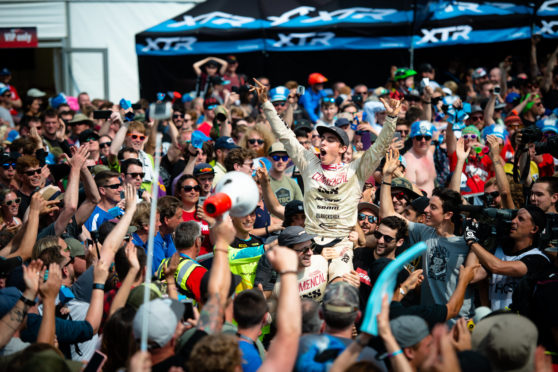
(349,178)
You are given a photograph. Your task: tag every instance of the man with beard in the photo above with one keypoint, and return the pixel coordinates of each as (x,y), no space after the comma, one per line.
(29,173)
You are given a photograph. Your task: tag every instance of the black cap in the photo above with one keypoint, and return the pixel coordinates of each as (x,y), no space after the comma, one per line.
(420,204)
(340,133)
(341,122)
(538,216)
(293,207)
(87,135)
(293,235)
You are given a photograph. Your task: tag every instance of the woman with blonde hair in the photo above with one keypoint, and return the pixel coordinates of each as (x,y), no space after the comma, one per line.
(258,139)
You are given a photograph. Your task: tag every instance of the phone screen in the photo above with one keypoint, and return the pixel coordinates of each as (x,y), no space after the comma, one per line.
(96,362)
(398,135)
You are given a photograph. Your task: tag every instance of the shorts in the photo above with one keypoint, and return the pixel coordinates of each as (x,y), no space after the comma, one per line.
(344,263)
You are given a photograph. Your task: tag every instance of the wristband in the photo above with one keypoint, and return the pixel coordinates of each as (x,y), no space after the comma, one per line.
(402,292)
(386,183)
(400,351)
(288,272)
(99,286)
(266,230)
(26,301)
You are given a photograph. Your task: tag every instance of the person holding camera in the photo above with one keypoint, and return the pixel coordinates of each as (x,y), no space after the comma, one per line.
(516,256)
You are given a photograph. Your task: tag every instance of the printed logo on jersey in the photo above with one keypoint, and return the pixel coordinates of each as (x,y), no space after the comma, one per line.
(438,263)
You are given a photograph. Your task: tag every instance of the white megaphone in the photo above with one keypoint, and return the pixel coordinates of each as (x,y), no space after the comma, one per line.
(236,193)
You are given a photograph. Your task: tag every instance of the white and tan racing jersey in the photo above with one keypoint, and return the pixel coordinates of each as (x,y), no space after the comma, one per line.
(331,193)
(312,280)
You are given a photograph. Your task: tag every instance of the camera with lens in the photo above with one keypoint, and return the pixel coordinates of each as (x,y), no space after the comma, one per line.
(357,99)
(494,224)
(549,236)
(530,134)
(550,146)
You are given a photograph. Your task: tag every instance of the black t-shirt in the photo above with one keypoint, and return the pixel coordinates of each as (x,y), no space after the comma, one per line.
(253,241)
(545,305)
(25,201)
(363,258)
(265,275)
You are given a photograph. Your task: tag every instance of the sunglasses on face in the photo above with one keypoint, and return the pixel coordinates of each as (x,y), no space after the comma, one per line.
(400,196)
(328,100)
(106,144)
(291,97)
(280,157)
(7,166)
(69,262)
(137,136)
(10,202)
(304,249)
(90,139)
(175,117)
(279,103)
(370,218)
(470,136)
(254,141)
(116,186)
(403,132)
(32,172)
(189,188)
(378,235)
(136,174)
(493,195)
(476,118)
(426,138)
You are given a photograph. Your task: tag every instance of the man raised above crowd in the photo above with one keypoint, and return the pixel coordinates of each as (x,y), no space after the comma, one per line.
(332,188)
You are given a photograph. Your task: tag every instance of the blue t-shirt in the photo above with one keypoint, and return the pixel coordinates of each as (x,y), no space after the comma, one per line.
(99,216)
(251,359)
(163,247)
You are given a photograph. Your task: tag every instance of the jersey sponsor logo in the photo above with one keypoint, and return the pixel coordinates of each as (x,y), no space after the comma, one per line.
(215,18)
(327,216)
(316,278)
(363,275)
(504,287)
(338,179)
(317,198)
(304,39)
(437,35)
(169,43)
(438,263)
(329,207)
(333,191)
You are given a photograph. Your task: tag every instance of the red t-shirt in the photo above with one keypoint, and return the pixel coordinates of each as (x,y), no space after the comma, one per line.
(478,170)
(194,282)
(205,128)
(546,166)
(206,243)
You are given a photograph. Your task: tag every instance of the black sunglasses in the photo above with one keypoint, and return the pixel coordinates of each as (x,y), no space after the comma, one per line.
(7,166)
(106,144)
(304,249)
(378,235)
(136,174)
(33,172)
(370,218)
(254,141)
(10,202)
(114,187)
(189,188)
(282,157)
(420,138)
(493,195)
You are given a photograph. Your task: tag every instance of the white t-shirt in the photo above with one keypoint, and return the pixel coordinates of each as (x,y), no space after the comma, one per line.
(312,280)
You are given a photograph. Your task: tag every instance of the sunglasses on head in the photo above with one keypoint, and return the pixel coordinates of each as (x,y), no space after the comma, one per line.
(254,141)
(400,195)
(370,218)
(189,188)
(10,202)
(470,136)
(378,235)
(280,157)
(136,174)
(7,166)
(137,136)
(328,100)
(106,144)
(426,138)
(32,172)
(114,187)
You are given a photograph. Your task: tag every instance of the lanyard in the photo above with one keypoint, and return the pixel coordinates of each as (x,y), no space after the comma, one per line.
(184,255)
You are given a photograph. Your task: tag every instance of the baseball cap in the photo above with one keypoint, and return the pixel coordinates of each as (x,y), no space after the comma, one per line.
(420,204)
(293,207)
(198,138)
(231,59)
(340,133)
(225,142)
(479,72)
(405,184)
(547,125)
(279,93)
(5,72)
(135,299)
(58,100)
(76,248)
(422,128)
(373,207)
(341,297)
(80,118)
(507,340)
(35,93)
(381,91)
(277,147)
(87,135)
(499,105)
(203,168)
(294,235)
(409,330)
(403,73)
(511,97)
(3,88)
(209,102)
(498,130)
(98,169)
(8,298)
(341,122)
(476,108)
(164,314)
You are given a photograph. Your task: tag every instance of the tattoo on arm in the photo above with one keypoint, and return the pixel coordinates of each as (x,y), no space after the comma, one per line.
(211,316)
(17,315)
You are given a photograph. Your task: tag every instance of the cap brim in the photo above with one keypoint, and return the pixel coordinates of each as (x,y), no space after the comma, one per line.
(365,205)
(323,129)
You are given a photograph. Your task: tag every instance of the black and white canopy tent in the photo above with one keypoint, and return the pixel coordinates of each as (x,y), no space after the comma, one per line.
(341,38)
